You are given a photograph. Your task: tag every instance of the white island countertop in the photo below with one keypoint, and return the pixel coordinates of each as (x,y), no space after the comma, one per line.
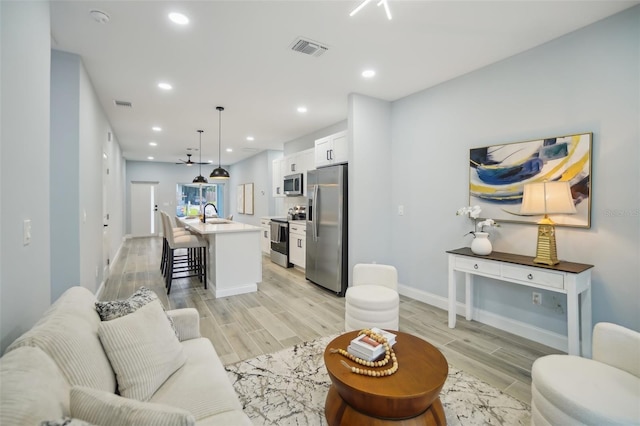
(234,257)
(211,227)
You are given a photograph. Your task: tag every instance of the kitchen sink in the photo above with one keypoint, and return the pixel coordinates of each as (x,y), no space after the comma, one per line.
(218,221)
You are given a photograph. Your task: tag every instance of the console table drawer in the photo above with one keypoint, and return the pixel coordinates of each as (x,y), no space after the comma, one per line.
(539,277)
(478,266)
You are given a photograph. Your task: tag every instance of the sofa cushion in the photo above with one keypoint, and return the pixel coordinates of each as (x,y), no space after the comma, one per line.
(112,309)
(209,390)
(32,388)
(68,333)
(106,409)
(143,350)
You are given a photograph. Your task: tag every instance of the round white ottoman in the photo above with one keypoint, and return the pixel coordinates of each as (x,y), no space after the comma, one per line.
(569,390)
(369,306)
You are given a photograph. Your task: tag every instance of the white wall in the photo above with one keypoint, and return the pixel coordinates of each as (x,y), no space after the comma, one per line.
(168,175)
(587,81)
(24,165)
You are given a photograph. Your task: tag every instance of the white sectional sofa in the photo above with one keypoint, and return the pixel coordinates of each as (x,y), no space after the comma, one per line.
(66,367)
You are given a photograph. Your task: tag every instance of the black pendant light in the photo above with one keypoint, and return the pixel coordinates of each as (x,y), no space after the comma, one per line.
(200,178)
(219,172)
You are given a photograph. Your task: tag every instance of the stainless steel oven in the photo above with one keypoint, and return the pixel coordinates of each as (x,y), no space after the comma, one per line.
(280,242)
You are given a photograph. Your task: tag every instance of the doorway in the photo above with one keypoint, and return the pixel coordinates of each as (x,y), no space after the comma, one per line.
(106,239)
(143,209)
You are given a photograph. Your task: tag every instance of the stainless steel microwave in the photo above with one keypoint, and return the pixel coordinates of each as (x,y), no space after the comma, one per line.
(293,185)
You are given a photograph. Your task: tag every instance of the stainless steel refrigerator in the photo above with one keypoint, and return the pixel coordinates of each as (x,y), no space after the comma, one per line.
(327,263)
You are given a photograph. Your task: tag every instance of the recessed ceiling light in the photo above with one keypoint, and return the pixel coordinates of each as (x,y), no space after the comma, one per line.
(229,150)
(149,158)
(165,86)
(210,161)
(156,129)
(368,73)
(302,109)
(178,18)
(250,138)
(153,144)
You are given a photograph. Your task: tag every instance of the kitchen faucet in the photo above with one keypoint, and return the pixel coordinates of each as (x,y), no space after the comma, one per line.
(204,211)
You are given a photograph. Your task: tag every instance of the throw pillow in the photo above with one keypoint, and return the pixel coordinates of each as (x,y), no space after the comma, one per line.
(113,309)
(142,349)
(107,409)
(67,421)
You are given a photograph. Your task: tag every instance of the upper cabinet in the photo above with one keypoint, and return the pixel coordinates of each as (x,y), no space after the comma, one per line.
(332,149)
(298,162)
(278,177)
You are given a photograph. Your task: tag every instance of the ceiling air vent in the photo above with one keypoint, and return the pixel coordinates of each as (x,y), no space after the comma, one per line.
(123,103)
(308,47)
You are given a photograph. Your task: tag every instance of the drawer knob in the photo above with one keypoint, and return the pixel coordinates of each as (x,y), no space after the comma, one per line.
(475,266)
(530,276)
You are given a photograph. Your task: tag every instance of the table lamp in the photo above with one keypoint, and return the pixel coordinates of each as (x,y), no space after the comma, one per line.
(547,198)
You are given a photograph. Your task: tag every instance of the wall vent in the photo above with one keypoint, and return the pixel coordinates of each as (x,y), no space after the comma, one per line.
(123,103)
(308,47)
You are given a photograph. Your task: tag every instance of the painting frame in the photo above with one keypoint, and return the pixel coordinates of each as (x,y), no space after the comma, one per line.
(240,199)
(498,173)
(248,198)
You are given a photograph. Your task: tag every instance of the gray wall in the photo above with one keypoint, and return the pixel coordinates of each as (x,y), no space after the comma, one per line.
(24,165)
(79,138)
(256,170)
(585,81)
(52,120)
(64,173)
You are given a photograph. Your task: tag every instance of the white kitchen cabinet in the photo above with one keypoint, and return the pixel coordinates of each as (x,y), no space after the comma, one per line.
(332,149)
(278,177)
(265,235)
(298,243)
(300,162)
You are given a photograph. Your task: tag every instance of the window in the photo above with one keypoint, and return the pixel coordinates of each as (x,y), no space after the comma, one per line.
(191,197)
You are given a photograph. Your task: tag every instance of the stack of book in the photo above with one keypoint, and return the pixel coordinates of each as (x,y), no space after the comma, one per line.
(366,348)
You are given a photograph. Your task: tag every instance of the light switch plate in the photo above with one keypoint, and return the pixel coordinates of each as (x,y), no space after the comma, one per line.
(26,232)
(400,210)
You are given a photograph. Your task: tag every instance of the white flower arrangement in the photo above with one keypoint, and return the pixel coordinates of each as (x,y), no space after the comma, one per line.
(474,212)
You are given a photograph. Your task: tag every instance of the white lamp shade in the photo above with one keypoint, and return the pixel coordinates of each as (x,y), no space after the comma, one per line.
(547,198)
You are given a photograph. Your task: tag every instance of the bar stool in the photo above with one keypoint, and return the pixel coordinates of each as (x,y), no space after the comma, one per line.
(194,263)
(177,232)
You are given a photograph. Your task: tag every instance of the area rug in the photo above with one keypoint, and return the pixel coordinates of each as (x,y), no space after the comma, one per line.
(289,387)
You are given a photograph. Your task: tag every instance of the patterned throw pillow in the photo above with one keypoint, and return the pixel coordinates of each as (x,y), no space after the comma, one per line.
(113,309)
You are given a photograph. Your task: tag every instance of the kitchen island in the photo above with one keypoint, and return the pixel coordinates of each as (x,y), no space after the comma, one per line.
(234,265)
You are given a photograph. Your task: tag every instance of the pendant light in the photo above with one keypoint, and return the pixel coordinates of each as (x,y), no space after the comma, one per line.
(219,172)
(200,178)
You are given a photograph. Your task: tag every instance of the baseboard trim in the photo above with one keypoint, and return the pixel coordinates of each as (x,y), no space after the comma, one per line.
(528,331)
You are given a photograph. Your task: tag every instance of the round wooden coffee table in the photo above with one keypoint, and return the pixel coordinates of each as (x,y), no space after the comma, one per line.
(411,396)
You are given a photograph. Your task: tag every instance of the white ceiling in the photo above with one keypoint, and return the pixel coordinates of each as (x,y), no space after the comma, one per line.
(237,54)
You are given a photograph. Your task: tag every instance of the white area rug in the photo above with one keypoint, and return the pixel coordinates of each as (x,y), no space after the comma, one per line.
(289,387)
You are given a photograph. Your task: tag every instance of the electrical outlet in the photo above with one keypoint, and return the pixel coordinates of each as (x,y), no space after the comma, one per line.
(536,298)
(400,210)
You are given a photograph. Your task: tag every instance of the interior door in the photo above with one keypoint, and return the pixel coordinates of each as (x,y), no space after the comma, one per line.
(106,234)
(143,209)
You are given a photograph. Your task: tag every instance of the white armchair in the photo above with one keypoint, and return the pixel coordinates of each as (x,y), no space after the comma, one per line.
(372,300)
(570,390)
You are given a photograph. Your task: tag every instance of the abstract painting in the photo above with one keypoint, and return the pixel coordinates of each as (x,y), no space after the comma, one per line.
(497,175)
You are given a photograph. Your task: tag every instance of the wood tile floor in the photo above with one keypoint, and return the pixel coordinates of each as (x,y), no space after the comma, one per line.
(287,310)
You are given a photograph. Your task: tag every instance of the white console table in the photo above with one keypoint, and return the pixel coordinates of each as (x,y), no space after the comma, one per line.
(572,279)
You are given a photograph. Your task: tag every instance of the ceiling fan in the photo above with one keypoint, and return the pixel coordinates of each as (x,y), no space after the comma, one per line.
(189,162)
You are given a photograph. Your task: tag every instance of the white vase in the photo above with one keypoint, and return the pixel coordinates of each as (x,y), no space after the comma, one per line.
(481,244)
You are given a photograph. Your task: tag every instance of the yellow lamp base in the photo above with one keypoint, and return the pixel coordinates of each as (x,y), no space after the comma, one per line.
(546,252)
